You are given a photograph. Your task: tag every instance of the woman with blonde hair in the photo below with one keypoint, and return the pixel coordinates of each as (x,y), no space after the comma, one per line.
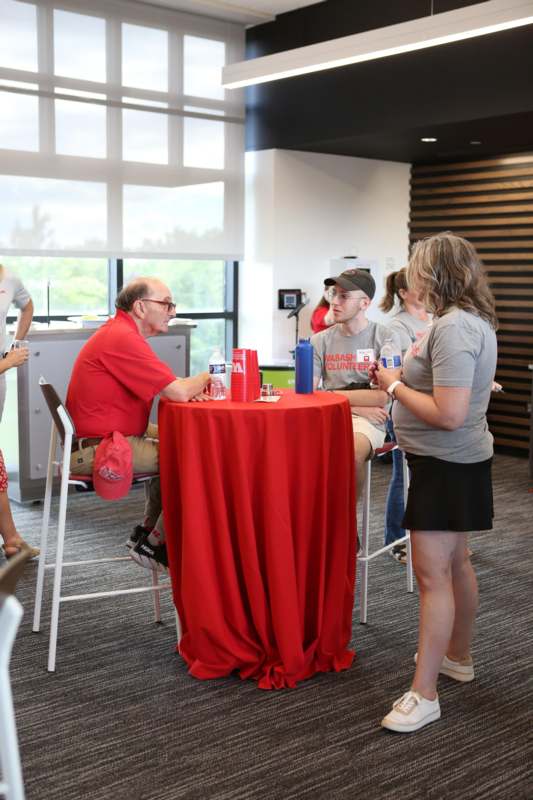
(410,323)
(440,421)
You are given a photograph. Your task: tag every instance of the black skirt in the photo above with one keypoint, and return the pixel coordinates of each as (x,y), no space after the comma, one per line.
(446,496)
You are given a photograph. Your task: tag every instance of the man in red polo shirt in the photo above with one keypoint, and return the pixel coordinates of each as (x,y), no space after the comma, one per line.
(112,387)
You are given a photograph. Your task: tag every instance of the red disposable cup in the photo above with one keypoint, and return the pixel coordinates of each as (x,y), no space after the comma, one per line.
(239,371)
(253,375)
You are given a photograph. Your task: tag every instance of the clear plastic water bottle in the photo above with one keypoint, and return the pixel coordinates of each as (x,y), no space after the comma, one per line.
(217,372)
(391,356)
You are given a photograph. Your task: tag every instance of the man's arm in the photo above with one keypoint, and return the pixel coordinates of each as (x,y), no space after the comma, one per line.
(184,389)
(375,414)
(369,398)
(26,316)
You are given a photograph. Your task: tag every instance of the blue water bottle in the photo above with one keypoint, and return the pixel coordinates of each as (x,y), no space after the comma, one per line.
(304,367)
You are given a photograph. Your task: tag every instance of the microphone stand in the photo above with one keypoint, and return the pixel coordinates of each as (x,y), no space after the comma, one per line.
(296,314)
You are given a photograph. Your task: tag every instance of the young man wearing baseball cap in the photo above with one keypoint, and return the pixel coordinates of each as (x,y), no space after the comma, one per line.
(342,356)
(114,381)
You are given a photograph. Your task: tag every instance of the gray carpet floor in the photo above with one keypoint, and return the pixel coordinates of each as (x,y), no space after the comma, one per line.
(122,719)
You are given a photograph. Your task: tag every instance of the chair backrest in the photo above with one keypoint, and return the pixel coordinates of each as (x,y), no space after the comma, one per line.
(53,401)
(13,569)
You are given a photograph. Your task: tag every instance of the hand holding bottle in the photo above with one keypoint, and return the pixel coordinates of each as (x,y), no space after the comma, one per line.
(15,358)
(384,377)
(372,373)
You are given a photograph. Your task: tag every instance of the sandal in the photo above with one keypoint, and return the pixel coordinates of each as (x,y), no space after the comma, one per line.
(11,550)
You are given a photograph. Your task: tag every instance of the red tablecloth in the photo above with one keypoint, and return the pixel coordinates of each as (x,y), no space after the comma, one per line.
(259,504)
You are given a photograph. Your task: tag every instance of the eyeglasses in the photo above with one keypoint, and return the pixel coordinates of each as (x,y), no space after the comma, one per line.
(342,297)
(171,307)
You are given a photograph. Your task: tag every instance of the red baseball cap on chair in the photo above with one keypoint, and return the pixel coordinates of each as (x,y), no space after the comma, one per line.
(113,467)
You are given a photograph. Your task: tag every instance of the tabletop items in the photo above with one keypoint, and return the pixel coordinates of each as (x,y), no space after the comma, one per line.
(304,367)
(245,380)
(217,374)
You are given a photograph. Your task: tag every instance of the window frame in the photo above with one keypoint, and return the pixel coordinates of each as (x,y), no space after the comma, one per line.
(47,163)
(115,280)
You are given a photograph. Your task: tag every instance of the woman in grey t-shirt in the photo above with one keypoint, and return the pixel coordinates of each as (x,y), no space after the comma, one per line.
(11,291)
(440,422)
(409,324)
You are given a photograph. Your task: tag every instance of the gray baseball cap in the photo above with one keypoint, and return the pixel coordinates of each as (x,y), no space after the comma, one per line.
(352,279)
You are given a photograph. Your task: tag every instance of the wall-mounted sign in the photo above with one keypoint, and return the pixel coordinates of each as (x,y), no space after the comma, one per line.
(289,299)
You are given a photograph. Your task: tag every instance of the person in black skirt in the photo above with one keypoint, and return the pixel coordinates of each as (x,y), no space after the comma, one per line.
(442,394)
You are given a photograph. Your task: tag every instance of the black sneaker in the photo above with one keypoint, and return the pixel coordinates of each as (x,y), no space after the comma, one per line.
(399,553)
(150,556)
(135,535)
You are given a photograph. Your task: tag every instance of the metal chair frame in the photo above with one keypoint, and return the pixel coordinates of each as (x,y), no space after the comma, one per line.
(63,429)
(11,784)
(366,556)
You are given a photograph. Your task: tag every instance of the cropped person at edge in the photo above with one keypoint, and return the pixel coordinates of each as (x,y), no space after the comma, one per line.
(115,379)
(12,291)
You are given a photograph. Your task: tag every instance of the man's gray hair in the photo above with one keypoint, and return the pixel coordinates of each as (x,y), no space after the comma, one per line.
(133,291)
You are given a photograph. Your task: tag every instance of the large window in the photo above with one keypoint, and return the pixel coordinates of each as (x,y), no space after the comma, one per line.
(69,287)
(121,154)
(203,291)
(116,137)
(195,285)
(61,287)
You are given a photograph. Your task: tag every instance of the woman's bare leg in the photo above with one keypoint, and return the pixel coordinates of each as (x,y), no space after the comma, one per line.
(433,555)
(465,593)
(12,539)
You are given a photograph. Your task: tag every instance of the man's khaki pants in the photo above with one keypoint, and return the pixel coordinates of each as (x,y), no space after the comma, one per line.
(145,452)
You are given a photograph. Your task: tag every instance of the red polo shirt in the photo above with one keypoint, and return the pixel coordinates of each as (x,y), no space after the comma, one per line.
(114,381)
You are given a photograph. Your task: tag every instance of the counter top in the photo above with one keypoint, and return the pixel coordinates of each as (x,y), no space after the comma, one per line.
(77,331)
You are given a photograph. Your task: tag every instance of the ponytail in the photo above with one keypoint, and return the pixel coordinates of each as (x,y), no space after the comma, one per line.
(394,282)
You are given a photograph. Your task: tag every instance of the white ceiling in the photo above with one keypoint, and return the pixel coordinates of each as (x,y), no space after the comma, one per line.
(249,12)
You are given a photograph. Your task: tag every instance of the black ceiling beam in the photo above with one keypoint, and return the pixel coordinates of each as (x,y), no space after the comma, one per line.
(336,18)
(379,108)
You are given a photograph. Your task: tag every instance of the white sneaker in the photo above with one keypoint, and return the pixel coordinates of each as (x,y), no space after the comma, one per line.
(411,712)
(454,669)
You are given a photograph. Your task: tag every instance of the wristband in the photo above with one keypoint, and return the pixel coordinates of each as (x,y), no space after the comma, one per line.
(392,387)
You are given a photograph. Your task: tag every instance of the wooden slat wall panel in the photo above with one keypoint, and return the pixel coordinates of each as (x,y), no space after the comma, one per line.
(482,186)
(465,166)
(490,202)
(512,208)
(479,198)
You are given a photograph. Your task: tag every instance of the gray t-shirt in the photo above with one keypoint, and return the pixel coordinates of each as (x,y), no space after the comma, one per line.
(11,291)
(342,362)
(459,350)
(408,329)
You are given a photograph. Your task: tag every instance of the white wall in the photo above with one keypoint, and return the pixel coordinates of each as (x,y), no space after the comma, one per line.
(302,211)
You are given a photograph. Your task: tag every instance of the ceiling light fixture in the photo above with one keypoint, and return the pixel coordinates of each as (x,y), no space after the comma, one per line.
(428,139)
(417,34)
